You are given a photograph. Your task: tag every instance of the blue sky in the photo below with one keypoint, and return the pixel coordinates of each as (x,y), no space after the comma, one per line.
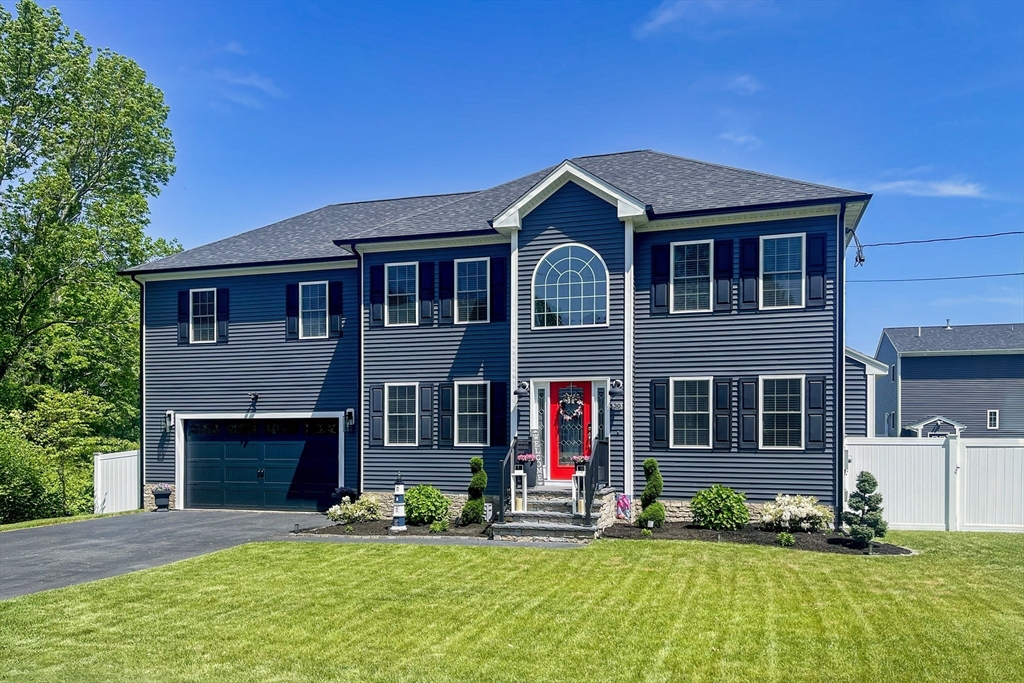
(279,108)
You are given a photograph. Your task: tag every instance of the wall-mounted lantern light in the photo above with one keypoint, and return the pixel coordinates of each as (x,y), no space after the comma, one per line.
(522,390)
(350,420)
(616,394)
(169,420)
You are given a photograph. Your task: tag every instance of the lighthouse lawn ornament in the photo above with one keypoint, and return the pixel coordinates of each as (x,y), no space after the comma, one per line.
(398,518)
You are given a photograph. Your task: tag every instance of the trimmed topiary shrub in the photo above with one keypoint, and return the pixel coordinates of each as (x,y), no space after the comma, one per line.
(653,510)
(473,510)
(865,514)
(720,508)
(424,504)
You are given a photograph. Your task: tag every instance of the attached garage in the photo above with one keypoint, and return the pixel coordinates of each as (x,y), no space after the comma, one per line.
(261,464)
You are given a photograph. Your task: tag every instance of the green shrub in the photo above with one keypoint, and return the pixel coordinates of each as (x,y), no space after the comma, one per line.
(366,509)
(439,527)
(349,529)
(719,508)
(785,539)
(865,514)
(23,491)
(646,533)
(473,510)
(795,513)
(424,504)
(652,509)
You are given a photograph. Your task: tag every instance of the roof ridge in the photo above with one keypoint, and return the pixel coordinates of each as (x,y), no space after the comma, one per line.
(954,327)
(389,199)
(612,154)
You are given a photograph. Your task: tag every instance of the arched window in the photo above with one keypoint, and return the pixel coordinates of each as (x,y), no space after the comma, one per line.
(570,288)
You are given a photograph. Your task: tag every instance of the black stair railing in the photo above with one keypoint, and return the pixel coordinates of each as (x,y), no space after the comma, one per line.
(505,490)
(595,477)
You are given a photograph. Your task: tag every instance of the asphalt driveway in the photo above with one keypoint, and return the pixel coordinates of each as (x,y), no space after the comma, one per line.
(42,558)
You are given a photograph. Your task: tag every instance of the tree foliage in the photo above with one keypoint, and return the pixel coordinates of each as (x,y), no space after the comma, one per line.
(865,514)
(85,145)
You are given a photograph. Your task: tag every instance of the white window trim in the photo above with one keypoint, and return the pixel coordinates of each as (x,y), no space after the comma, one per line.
(327,309)
(191,316)
(672,276)
(456,407)
(415,412)
(672,413)
(415,289)
(760,413)
(456,266)
(803,271)
(988,421)
(607,299)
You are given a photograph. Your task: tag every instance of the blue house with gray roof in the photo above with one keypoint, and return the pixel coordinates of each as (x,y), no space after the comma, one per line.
(964,380)
(621,306)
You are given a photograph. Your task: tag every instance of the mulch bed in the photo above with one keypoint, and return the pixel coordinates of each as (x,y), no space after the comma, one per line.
(822,543)
(382,529)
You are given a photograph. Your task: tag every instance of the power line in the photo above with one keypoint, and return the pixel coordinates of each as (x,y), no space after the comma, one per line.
(934,279)
(945,239)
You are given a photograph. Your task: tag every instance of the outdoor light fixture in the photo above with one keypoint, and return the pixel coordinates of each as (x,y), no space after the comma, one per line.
(350,419)
(615,394)
(523,390)
(169,420)
(398,517)
(253,396)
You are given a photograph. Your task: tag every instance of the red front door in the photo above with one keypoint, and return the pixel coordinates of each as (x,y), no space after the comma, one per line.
(570,428)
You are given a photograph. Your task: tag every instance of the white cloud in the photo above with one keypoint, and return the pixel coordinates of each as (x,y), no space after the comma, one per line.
(235,47)
(250,80)
(745,140)
(951,187)
(744,85)
(700,16)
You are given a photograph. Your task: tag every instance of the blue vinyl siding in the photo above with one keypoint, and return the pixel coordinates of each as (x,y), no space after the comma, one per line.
(885,390)
(856,398)
(431,355)
(574,215)
(965,388)
(288,375)
(738,343)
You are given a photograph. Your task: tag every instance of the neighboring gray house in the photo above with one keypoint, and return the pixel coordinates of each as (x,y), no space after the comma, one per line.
(963,380)
(861,373)
(679,309)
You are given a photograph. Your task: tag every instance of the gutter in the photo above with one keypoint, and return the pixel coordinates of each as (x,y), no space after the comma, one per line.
(228,266)
(842,201)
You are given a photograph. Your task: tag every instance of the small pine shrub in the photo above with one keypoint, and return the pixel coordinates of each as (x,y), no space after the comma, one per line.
(424,504)
(366,509)
(720,508)
(785,539)
(653,510)
(864,518)
(473,510)
(439,526)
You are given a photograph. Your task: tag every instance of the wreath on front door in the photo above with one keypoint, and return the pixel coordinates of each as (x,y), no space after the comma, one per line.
(570,407)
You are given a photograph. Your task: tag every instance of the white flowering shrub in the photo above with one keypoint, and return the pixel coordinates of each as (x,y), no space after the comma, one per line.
(796,513)
(366,509)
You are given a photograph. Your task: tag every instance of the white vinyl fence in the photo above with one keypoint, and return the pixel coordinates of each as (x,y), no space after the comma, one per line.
(115,481)
(944,484)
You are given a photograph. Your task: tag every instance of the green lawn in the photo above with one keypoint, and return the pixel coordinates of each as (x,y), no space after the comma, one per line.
(59,520)
(612,611)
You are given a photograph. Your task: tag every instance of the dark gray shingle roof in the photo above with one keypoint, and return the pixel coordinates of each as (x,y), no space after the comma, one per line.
(667,183)
(959,338)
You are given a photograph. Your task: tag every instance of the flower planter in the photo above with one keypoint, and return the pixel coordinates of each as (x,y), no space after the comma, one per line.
(162,500)
(531,473)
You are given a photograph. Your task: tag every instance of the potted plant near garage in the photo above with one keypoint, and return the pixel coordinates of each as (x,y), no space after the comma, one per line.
(528,463)
(162,496)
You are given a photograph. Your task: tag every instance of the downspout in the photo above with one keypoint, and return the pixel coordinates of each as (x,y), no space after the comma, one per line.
(840,363)
(363,401)
(142,390)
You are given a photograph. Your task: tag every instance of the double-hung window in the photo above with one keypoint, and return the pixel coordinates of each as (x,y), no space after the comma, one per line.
(471,290)
(691,276)
(401,414)
(691,412)
(312,310)
(402,284)
(203,316)
(782,271)
(992,419)
(471,413)
(782,412)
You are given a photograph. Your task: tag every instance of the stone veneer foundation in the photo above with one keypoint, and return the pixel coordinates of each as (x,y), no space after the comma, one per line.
(457,501)
(149,503)
(679,511)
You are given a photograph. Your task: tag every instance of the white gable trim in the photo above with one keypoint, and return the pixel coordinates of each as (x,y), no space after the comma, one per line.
(871,366)
(741,217)
(230,271)
(627,206)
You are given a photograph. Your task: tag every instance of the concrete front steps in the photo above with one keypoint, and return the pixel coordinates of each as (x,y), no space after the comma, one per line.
(549,517)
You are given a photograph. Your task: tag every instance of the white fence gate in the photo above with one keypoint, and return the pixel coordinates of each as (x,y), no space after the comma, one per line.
(944,484)
(115,482)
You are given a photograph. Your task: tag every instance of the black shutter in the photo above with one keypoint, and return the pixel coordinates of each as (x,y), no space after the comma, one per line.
(499,414)
(659,414)
(376,414)
(183,312)
(335,307)
(427,412)
(748,413)
(376,295)
(817,245)
(291,311)
(660,266)
(223,314)
(750,249)
(499,290)
(723,276)
(722,414)
(446,411)
(446,293)
(815,440)
(426,292)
